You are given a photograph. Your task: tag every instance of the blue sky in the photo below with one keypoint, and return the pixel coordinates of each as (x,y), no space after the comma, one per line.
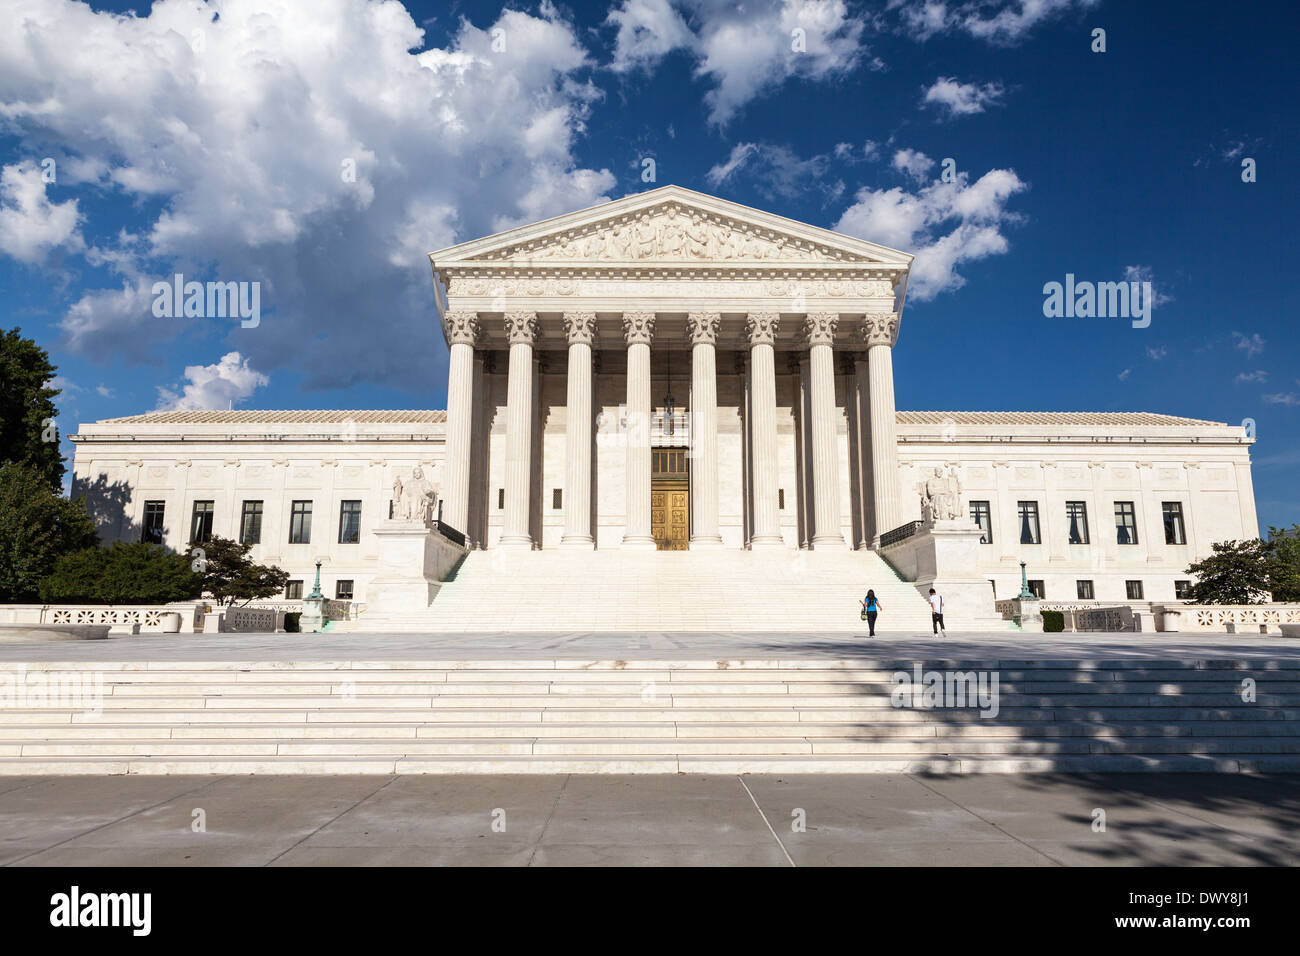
(209,139)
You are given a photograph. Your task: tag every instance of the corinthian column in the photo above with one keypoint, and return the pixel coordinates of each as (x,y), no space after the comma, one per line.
(704,430)
(638,329)
(462,330)
(879,333)
(521,331)
(820,330)
(761,328)
(580,328)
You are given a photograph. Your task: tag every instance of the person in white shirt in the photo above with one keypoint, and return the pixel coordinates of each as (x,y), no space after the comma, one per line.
(936,613)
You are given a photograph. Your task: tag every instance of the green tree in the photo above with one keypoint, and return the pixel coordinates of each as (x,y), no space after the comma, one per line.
(37,527)
(1284,563)
(229,575)
(135,573)
(1237,572)
(27,431)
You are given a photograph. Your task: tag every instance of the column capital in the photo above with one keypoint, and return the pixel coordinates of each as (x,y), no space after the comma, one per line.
(521,327)
(819,327)
(580,327)
(702,327)
(761,327)
(879,328)
(463,327)
(638,327)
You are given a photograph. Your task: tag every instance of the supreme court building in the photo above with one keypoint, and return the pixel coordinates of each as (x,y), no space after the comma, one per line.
(674,372)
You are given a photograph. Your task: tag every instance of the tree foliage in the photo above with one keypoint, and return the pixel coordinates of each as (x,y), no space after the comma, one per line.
(1284,563)
(135,573)
(229,575)
(1237,572)
(27,431)
(37,527)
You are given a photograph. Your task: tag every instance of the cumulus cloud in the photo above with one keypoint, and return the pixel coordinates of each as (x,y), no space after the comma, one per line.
(1146,274)
(215,386)
(30,225)
(996,21)
(961,99)
(913,162)
(1259,375)
(777,171)
(943,224)
(744,49)
(315,148)
(1282,398)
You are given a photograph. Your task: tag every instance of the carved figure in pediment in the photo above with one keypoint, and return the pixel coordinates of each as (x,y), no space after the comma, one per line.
(593,246)
(727,243)
(620,239)
(644,237)
(697,237)
(671,235)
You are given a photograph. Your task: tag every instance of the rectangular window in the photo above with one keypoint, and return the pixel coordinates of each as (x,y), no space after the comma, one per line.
(201,523)
(343,590)
(1028,512)
(780,499)
(557,499)
(300,523)
(250,523)
(1182,590)
(501,499)
(1037,590)
(1134,589)
(293,590)
(1126,529)
(1076,516)
(982,515)
(349,522)
(1083,590)
(1174,531)
(153,522)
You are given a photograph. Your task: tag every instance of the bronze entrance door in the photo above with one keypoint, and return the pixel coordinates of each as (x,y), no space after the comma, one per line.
(670,499)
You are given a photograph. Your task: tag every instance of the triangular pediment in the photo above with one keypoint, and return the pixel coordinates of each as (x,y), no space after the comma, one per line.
(670,225)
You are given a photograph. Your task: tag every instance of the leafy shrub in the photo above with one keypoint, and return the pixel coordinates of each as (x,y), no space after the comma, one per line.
(124,573)
(291,622)
(1053,622)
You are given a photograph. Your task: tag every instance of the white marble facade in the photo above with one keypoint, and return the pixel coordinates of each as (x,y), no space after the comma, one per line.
(775,341)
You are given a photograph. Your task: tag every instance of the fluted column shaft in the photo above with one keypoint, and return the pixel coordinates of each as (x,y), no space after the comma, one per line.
(521,330)
(862,392)
(879,333)
(462,329)
(638,329)
(581,327)
(704,430)
(762,327)
(825,453)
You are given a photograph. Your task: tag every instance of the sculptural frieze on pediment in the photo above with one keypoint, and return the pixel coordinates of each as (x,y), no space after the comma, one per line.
(671,233)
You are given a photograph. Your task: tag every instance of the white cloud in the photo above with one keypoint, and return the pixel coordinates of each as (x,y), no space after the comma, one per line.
(1146,274)
(1123,376)
(1259,375)
(1157,352)
(943,224)
(236,137)
(961,99)
(30,225)
(1251,344)
(997,21)
(913,162)
(777,171)
(1283,398)
(745,49)
(215,386)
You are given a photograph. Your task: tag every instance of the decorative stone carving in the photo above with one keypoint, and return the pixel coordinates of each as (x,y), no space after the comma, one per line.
(638,327)
(703,327)
(940,497)
(521,327)
(463,327)
(672,231)
(880,328)
(819,327)
(415,499)
(761,327)
(580,327)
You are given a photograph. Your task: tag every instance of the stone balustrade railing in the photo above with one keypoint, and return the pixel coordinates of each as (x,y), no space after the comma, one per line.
(182,618)
(1227,618)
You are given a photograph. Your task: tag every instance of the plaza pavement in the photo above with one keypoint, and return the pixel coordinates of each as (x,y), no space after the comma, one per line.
(873,820)
(651,645)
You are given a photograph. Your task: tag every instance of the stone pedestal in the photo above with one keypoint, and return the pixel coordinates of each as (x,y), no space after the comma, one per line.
(1028,615)
(945,556)
(413,560)
(313,619)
